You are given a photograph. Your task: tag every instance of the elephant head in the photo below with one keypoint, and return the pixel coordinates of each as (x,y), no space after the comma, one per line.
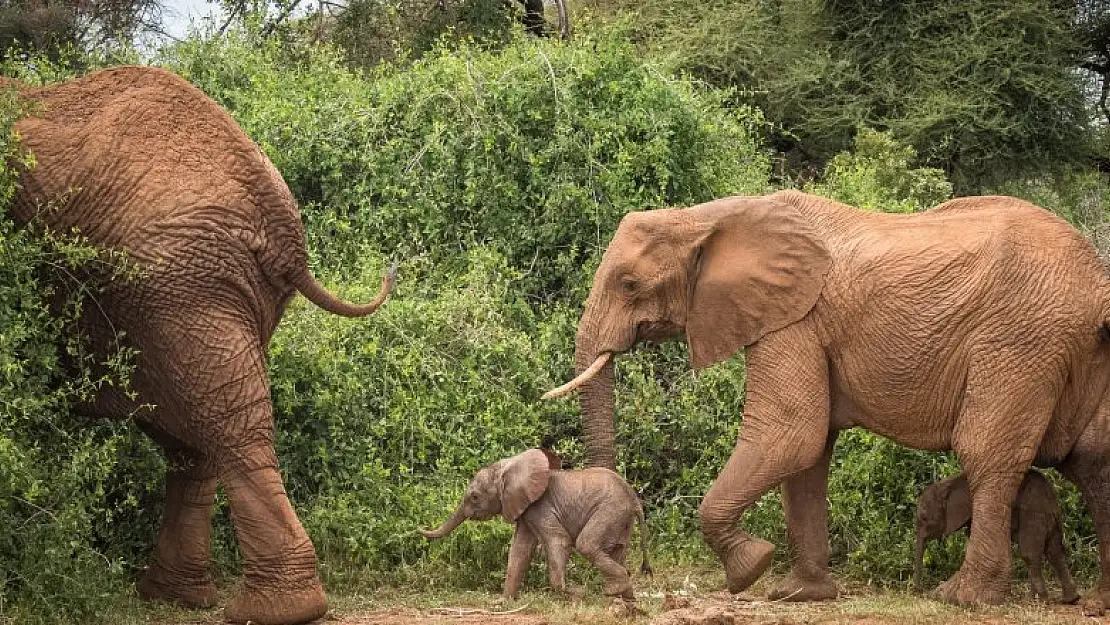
(721,274)
(942,508)
(506,487)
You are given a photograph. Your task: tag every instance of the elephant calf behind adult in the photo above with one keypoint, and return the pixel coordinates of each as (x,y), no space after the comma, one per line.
(977,326)
(138,159)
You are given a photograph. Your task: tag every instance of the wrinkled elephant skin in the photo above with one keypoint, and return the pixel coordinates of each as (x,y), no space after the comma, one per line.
(944,507)
(590,511)
(141,161)
(978,326)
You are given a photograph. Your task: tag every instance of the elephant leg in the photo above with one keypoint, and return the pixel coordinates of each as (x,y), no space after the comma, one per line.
(557,546)
(1031,546)
(995,438)
(209,367)
(178,571)
(918,560)
(596,542)
(1088,466)
(1057,557)
(785,429)
(805,500)
(520,556)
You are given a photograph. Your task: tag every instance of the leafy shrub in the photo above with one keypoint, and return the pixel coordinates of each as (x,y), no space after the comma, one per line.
(71,497)
(536,151)
(988,91)
(878,174)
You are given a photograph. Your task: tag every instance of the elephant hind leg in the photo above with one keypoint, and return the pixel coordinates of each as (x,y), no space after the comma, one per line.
(213,373)
(995,438)
(597,542)
(178,571)
(1088,466)
(1057,557)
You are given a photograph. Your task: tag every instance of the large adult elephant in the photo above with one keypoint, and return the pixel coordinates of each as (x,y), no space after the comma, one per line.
(139,160)
(979,326)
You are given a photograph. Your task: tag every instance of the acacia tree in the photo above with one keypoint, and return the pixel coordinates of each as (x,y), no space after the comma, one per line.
(984,89)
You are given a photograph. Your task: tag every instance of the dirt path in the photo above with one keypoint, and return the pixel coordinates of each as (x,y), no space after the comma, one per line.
(720,609)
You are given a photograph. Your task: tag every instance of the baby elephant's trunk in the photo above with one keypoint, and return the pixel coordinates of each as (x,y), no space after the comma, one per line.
(448,526)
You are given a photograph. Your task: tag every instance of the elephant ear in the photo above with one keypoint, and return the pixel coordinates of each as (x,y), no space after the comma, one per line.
(523,480)
(759,266)
(957,504)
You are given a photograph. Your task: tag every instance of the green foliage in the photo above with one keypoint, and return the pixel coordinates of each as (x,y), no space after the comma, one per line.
(373,31)
(70,496)
(985,90)
(536,151)
(878,175)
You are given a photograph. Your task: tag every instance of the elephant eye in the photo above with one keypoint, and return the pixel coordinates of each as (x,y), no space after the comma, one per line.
(629,284)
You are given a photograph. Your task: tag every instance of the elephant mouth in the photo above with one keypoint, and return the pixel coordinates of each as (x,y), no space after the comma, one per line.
(581,379)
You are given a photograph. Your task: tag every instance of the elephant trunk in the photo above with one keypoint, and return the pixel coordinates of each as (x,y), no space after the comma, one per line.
(598,431)
(448,526)
(317,294)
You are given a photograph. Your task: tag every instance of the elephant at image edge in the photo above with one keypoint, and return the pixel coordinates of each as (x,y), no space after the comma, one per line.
(944,507)
(978,326)
(139,160)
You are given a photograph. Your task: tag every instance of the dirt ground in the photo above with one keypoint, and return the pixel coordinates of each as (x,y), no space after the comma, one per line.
(674,596)
(721,609)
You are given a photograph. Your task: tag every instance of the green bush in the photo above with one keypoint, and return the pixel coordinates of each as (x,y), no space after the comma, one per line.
(536,151)
(878,174)
(72,498)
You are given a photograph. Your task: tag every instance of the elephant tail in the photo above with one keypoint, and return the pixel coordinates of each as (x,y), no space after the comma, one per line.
(317,294)
(645,565)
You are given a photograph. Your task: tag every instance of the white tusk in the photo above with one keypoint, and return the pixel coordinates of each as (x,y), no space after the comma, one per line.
(582,378)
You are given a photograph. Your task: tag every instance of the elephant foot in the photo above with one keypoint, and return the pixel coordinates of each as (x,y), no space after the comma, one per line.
(963,589)
(745,560)
(811,585)
(277,606)
(620,589)
(190,591)
(1069,596)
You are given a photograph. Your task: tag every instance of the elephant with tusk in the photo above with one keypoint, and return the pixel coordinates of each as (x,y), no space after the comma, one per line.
(979,326)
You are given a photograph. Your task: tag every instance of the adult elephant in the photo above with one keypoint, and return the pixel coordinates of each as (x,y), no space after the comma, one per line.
(979,326)
(139,160)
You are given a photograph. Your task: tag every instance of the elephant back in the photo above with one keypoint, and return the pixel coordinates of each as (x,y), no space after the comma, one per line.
(138,158)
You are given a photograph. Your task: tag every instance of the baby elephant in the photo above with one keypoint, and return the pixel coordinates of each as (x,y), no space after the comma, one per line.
(590,510)
(945,506)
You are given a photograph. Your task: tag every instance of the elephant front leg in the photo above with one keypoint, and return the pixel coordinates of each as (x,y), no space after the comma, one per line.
(785,429)
(805,501)
(178,572)
(995,439)
(520,556)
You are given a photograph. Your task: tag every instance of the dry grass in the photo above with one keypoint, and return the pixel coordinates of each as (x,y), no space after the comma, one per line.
(699,588)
